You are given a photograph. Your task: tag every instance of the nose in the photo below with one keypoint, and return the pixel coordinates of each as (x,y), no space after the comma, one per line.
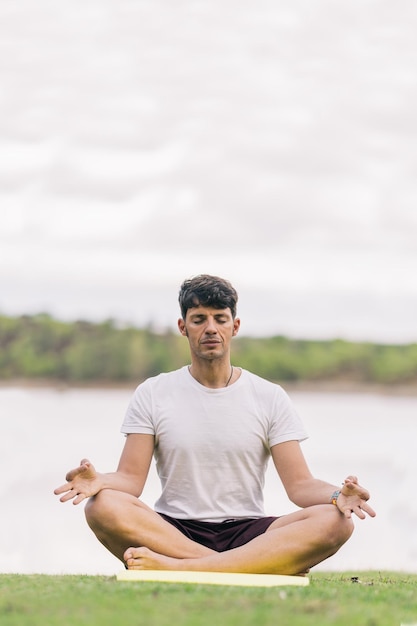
(211,326)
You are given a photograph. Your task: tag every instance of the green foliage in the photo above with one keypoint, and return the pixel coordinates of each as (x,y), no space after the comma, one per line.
(372,599)
(44,348)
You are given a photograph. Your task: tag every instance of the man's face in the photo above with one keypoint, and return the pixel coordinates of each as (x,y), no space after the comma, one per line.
(209,331)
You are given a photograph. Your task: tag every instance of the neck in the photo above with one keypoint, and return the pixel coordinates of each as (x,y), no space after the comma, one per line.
(212,377)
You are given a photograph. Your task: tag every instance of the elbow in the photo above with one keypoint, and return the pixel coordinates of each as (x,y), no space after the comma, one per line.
(297,497)
(293,497)
(298,502)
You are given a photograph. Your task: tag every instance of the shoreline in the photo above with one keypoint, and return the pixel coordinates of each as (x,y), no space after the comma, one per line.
(320,386)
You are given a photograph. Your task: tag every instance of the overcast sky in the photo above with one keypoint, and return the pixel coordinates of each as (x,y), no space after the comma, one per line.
(143,142)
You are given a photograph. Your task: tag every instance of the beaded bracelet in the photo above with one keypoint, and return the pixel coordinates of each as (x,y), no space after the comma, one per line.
(335,496)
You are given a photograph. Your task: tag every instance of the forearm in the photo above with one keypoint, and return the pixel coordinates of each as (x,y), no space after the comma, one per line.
(120,481)
(133,468)
(312,491)
(304,490)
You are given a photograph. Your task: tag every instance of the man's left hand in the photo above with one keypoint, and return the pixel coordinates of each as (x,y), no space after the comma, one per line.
(354,499)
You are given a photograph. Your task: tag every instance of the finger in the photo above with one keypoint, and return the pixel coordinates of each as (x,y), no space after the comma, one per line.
(62,489)
(365,493)
(68,496)
(79,498)
(365,507)
(359,513)
(73,473)
(361,492)
(77,471)
(351,479)
(350,489)
(349,484)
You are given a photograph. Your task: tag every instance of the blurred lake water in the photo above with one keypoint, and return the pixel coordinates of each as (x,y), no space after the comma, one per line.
(44,432)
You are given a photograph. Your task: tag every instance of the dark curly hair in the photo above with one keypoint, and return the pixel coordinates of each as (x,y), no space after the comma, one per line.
(206,290)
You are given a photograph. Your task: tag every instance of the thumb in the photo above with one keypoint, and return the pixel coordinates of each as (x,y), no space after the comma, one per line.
(350,483)
(351,479)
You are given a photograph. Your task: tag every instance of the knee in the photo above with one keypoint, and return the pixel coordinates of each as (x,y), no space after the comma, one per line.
(339,528)
(100,508)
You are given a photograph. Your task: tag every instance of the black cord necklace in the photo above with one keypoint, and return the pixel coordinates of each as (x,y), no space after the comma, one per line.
(230,377)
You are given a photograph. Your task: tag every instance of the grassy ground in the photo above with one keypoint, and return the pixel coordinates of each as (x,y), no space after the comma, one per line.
(375,599)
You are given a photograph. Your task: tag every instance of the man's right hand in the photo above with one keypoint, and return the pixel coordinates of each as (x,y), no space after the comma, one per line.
(82,482)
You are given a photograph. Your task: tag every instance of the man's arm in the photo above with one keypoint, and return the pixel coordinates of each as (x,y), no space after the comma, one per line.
(84,481)
(304,490)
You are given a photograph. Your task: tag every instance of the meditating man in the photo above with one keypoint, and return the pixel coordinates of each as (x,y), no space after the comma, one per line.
(212,428)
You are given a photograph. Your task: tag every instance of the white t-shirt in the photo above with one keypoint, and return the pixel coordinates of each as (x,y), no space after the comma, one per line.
(212,446)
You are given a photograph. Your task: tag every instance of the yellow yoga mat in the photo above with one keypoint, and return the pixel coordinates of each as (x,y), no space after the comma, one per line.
(212,578)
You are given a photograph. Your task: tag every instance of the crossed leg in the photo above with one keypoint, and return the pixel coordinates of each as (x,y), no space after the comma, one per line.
(291,545)
(120,520)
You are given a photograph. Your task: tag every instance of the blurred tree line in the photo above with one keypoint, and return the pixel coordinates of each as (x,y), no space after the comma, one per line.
(41,347)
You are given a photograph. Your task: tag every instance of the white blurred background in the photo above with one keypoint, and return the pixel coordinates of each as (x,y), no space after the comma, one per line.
(271,143)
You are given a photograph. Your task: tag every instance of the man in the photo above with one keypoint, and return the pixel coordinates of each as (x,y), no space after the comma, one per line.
(212,428)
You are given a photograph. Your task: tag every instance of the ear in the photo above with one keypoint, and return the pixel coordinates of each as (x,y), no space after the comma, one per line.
(236,326)
(181,327)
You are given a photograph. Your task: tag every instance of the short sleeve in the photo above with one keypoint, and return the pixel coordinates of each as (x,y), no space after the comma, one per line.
(285,423)
(138,417)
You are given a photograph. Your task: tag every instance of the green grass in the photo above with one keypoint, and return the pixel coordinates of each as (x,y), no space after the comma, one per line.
(376,599)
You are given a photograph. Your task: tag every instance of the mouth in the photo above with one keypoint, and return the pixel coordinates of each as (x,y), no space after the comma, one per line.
(210,342)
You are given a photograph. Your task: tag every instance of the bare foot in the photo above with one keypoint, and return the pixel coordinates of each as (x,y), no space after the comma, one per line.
(143,558)
(306,573)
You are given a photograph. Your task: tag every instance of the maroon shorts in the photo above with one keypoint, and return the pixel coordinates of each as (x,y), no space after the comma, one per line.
(221,536)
